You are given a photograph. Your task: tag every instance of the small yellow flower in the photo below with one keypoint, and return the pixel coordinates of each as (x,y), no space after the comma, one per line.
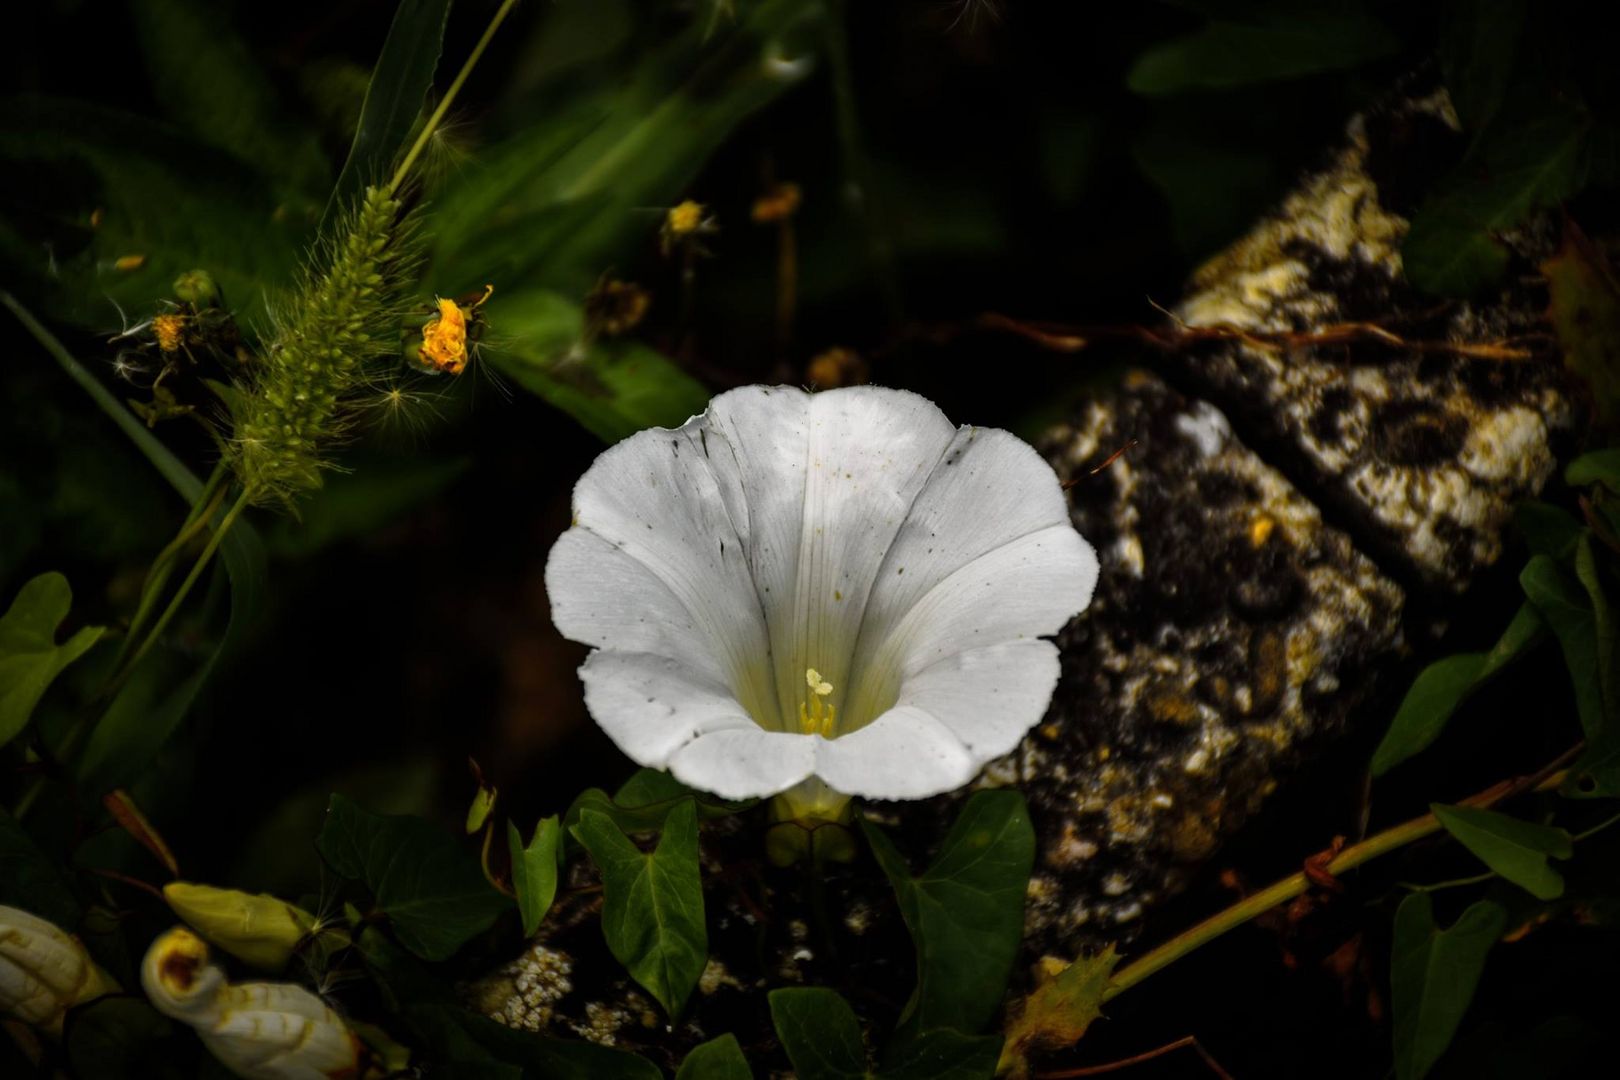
(444,337)
(683,224)
(167,329)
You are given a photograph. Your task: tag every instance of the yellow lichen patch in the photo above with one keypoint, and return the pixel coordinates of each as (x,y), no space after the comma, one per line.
(1260,530)
(167,329)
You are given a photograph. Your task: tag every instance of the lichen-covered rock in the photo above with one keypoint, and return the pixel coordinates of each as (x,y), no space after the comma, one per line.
(1419,421)
(1231,627)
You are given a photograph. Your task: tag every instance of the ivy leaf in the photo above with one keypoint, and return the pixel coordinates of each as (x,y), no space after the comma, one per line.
(1524,163)
(942,1054)
(966,912)
(1059,1010)
(30,658)
(30,881)
(535,867)
(1583,300)
(1433,974)
(1444,685)
(1518,850)
(819,1031)
(1278,45)
(652,905)
(1598,467)
(717,1059)
(399,84)
(641,805)
(1569,613)
(429,886)
(1547,530)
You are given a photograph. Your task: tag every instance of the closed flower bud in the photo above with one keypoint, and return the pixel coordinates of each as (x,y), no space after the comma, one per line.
(262,1031)
(256,929)
(44,971)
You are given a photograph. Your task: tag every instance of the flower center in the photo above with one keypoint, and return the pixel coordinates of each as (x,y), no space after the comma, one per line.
(818,717)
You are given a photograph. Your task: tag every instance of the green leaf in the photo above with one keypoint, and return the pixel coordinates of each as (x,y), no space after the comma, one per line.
(207,78)
(641,805)
(942,1054)
(1478,40)
(1523,164)
(30,881)
(1583,303)
(1442,686)
(30,658)
(1548,530)
(429,886)
(119,1036)
(1598,467)
(534,870)
(717,1059)
(399,85)
(457,1037)
(142,718)
(166,203)
(1433,974)
(1569,613)
(1280,45)
(1603,622)
(1518,850)
(965,913)
(613,388)
(819,1031)
(1059,1010)
(374,490)
(652,904)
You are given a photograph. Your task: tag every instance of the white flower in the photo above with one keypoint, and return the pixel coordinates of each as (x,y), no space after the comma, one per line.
(262,1031)
(44,971)
(826,594)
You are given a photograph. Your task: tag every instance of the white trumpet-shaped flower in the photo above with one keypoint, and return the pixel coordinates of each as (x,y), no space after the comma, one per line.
(262,1031)
(44,971)
(829,595)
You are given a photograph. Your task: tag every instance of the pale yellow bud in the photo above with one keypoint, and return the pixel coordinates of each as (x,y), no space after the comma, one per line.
(44,971)
(262,1031)
(256,929)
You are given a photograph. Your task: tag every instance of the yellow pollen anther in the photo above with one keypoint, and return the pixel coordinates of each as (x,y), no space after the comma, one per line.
(817,717)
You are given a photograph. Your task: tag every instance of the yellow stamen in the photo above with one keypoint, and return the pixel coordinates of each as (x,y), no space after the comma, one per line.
(816,716)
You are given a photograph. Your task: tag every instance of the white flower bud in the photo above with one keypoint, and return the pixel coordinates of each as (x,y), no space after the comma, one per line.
(44,971)
(261,1031)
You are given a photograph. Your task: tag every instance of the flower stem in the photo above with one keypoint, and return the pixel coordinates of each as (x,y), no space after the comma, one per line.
(1282,891)
(157,575)
(449,98)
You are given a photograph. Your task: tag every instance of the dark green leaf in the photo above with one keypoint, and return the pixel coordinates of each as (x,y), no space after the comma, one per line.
(208,79)
(966,912)
(374,490)
(1283,45)
(1598,467)
(166,205)
(1603,621)
(1583,304)
(430,887)
(1478,40)
(143,716)
(1547,530)
(459,1038)
(819,1031)
(652,905)
(1442,686)
(1518,850)
(613,389)
(1569,613)
(642,803)
(717,1059)
(30,658)
(118,1037)
(534,870)
(28,880)
(1060,1010)
(942,1054)
(399,84)
(1525,164)
(403,980)
(1433,974)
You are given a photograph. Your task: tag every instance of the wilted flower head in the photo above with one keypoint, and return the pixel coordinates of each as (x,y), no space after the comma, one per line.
(826,595)
(44,971)
(274,1031)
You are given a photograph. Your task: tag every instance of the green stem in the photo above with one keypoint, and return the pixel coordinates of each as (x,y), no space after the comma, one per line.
(180,593)
(1453,883)
(449,97)
(157,575)
(1281,892)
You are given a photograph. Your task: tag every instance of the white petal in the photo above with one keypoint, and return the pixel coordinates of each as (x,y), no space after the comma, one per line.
(651,706)
(903,754)
(828,480)
(989,697)
(279,1030)
(745,764)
